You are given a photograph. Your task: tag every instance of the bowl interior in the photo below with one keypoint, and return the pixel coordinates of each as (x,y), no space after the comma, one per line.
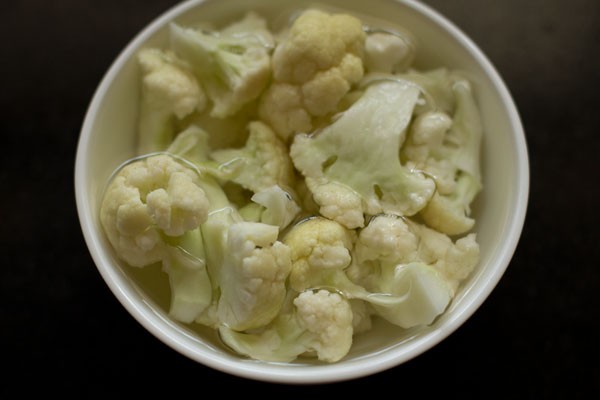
(108,135)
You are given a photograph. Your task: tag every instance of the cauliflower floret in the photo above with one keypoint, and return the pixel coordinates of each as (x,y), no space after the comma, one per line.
(359,152)
(179,207)
(263,162)
(252,285)
(282,107)
(313,68)
(328,317)
(315,323)
(388,239)
(169,91)
(384,243)
(170,81)
(247,265)
(129,226)
(321,252)
(233,65)
(147,197)
(410,261)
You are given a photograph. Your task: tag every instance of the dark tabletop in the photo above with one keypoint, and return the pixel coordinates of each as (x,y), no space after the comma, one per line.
(63,331)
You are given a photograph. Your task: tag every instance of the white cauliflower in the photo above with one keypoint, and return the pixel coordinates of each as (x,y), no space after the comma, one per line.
(313,68)
(358,155)
(233,65)
(320,251)
(319,323)
(169,91)
(148,198)
(388,239)
(151,212)
(247,265)
(328,317)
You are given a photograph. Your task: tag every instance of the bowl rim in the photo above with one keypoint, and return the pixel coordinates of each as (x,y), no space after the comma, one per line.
(170,334)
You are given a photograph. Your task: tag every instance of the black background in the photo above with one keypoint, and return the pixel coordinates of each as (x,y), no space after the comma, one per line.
(62,330)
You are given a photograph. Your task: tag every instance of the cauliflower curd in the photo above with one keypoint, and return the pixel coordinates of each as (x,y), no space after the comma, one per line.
(296,185)
(314,66)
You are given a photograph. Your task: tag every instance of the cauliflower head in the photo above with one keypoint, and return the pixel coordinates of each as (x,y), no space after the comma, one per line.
(418,265)
(322,254)
(147,199)
(454,260)
(314,66)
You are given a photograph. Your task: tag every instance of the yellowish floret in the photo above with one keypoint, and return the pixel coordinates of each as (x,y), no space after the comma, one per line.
(313,68)
(329,317)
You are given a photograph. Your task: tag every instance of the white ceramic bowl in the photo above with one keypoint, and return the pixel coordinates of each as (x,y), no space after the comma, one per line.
(107,139)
